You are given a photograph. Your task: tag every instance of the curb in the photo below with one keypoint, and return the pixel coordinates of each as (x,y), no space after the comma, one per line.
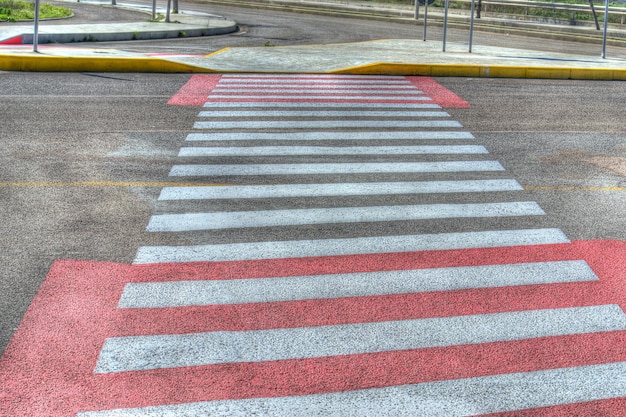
(16,62)
(46,63)
(486,71)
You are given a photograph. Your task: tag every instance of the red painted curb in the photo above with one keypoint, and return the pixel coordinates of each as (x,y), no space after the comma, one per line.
(16,40)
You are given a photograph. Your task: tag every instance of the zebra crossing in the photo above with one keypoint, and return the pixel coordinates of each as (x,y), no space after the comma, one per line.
(268,116)
(363,257)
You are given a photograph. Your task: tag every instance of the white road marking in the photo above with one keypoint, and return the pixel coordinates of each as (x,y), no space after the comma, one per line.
(360,284)
(347,246)
(337,189)
(415,97)
(329,150)
(323,124)
(334,168)
(453,398)
(330,105)
(185,222)
(316,90)
(314,135)
(134,353)
(322,113)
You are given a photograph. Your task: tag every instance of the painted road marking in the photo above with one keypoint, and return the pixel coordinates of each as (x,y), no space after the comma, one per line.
(322,113)
(329,150)
(316,90)
(324,124)
(315,135)
(278,77)
(334,168)
(312,287)
(339,81)
(332,105)
(347,246)
(134,353)
(456,398)
(60,342)
(50,362)
(337,189)
(312,97)
(185,222)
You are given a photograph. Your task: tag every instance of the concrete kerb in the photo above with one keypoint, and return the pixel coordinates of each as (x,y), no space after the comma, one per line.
(487,71)
(119,61)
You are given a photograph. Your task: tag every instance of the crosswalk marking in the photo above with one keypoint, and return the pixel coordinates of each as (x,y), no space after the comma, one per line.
(452,398)
(235,313)
(347,246)
(319,135)
(312,287)
(254,90)
(337,189)
(334,168)
(321,113)
(342,77)
(134,353)
(312,97)
(329,105)
(329,150)
(273,218)
(324,124)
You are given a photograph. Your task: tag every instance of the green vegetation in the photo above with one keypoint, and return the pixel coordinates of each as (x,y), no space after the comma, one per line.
(14,10)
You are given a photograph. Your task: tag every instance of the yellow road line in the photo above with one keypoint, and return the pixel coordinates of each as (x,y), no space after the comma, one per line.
(106,184)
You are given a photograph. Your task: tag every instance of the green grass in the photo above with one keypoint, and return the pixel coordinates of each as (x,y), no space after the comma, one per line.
(14,10)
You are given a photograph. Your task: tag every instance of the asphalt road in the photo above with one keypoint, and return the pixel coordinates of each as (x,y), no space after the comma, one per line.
(281,28)
(85,155)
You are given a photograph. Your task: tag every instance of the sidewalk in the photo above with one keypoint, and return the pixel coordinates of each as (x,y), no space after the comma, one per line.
(396,56)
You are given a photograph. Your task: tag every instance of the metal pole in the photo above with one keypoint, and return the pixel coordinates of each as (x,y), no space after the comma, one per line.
(416,14)
(153,9)
(471,35)
(445,24)
(36,28)
(425,18)
(606,24)
(167,12)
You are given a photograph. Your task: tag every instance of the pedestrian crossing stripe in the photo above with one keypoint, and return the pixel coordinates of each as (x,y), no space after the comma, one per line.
(77,309)
(198,88)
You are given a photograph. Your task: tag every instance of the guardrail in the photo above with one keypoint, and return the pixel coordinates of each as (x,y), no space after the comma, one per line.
(576,11)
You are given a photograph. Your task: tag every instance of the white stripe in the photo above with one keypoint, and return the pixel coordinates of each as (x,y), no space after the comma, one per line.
(325,124)
(361,284)
(318,90)
(339,189)
(305,82)
(347,246)
(382,135)
(330,150)
(455,398)
(310,85)
(334,168)
(277,77)
(322,113)
(271,104)
(133,353)
(270,218)
(321,97)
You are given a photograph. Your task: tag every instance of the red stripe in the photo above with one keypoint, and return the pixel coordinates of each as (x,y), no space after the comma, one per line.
(16,40)
(47,368)
(440,94)
(195,91)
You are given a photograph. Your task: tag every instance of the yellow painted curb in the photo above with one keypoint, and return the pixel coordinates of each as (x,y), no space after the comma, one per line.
(486,71)
(47,63)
